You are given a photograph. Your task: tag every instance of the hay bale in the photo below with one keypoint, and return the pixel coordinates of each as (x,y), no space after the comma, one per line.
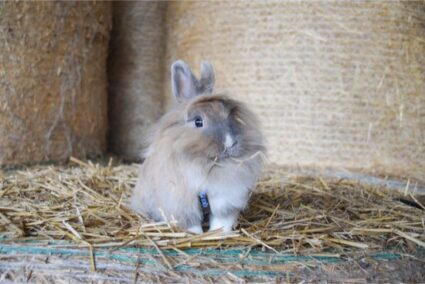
(53,95)
(86,203)
(135,74)
(337,85)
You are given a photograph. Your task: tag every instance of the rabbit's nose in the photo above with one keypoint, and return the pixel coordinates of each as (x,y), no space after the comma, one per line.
(229,141)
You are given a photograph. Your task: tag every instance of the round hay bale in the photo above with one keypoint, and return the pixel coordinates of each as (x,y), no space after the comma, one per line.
(53,96)
(135,74)
(337,85)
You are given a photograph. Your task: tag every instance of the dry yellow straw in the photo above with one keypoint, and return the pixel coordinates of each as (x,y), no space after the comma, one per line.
(86,203)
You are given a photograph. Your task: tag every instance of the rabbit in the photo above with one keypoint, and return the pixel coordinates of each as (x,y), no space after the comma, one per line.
(207,143)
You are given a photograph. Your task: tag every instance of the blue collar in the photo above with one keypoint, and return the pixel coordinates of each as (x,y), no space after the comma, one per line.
(205,206)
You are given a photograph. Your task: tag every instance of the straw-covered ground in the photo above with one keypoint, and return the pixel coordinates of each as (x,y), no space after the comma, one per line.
(85,204)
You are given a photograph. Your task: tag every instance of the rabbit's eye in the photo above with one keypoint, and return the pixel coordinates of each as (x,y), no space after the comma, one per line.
(198,122)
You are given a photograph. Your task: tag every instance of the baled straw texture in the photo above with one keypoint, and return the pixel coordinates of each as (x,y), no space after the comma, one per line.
(135,74)
(53,95)
(86,203)
(52,264)
(336,84)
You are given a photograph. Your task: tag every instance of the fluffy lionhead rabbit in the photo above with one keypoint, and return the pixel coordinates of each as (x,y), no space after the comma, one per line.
(207,146)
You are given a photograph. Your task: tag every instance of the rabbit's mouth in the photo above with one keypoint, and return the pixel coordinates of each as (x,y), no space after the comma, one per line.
(225,155)
(219,158)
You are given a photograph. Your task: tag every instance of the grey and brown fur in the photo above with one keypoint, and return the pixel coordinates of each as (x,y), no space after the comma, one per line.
(223,158)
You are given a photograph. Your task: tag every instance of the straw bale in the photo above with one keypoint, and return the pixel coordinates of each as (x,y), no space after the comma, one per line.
(50,265)
(53,96)
(135,73)
(338,85)
(87,203)
(77,215)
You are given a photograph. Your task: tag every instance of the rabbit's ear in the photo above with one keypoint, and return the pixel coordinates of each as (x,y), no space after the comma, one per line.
(183,84)
(207,77)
